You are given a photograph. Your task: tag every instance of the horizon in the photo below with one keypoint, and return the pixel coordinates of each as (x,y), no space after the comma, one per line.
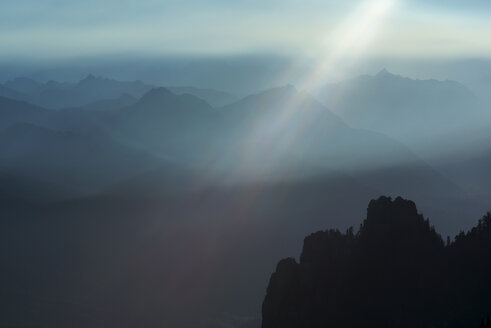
(306,44)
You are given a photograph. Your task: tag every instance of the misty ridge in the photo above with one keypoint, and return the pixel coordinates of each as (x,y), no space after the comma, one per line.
(130,204)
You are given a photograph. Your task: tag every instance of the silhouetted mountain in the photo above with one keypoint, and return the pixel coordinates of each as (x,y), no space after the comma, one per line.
(65,158)
(277,134)
(283,125)
(123,101)
(394,272)
(213,97)
(97,90)
(410,110)
(68,120)
(161,121)
(14,111)
(283,132)
(179,187)
(25,85)
(11,94)
(102,88)
(62,95)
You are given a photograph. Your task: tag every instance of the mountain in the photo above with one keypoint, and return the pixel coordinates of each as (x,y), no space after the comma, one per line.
(57,95)
(69,120)
(409,110)
(24,85)
(169,124)
(283,125)
(394,272)
(31,87)
(168,194)
(279,134)
(283,131)
(215,98)
(65,158)
(97,91)
(6,92)
(275,131)
(14,111)
(102,88)
(123,101)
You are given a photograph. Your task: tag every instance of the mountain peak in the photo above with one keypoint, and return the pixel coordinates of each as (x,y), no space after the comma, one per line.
(91,78)
(384,72)
(156,95)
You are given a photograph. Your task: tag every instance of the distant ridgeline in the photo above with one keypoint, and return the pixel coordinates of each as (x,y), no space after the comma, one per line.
(396,271)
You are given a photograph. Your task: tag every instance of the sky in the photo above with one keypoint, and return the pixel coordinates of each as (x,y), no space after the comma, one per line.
(52,29)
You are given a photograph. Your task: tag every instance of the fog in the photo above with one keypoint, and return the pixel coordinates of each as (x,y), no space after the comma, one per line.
(158,158)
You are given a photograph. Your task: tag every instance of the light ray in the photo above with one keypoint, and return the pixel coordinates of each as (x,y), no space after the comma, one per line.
(351,39)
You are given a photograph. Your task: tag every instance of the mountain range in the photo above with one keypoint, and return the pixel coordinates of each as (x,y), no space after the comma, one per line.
(409,110)
(94,89)
(176,195)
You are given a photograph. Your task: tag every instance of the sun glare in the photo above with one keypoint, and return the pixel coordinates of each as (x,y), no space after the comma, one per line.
(350,40)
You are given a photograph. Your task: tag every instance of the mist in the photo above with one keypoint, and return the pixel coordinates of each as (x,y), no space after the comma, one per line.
(159,159)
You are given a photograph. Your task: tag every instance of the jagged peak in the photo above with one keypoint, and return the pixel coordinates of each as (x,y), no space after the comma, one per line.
(399,203)
(91,78)
(384,73)
(163,96)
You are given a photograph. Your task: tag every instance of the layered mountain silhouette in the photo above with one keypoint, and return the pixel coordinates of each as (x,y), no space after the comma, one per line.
(409,110)
(396,271)
(14,111)
(148,207)
(9,93)
(95,91)
(62,95)
(213,97)
(278,134)
(124,100)
(69,159)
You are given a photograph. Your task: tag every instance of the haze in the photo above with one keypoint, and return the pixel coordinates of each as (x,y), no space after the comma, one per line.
(159,158)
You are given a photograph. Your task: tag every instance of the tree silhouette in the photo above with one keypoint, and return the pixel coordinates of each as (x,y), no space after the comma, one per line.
(396,271)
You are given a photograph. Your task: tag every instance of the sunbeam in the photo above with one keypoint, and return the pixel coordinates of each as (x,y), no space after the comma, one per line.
(351,39)
(272,136)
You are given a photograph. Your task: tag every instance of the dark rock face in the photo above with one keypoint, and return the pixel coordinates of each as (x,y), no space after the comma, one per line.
(394,272)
